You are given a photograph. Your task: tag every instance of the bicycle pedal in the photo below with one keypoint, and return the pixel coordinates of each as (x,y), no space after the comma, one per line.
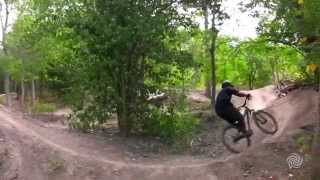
(263,122)
(236,139)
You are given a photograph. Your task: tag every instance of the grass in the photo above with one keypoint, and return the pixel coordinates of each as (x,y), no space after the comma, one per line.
(2,99)
(44,107)
(55,164)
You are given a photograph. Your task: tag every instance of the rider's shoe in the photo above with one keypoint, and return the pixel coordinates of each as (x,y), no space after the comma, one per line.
(243,135)
(249,133)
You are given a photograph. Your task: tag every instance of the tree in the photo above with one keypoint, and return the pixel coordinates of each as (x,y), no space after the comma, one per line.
(5,7)
(22,45)
(115,47)
(211,8)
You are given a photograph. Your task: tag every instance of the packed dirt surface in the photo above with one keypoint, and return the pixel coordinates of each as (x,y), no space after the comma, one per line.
(31,149)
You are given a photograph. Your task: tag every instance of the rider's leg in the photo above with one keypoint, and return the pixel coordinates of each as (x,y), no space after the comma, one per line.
(240,124)
(234,117)
(238,120)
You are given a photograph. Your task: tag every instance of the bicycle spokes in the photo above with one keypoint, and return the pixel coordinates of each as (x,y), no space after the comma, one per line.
(233,140)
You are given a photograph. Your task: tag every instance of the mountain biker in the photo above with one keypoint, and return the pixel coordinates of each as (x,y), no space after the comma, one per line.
(225,109)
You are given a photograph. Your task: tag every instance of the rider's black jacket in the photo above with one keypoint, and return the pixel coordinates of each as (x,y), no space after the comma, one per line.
(223,101)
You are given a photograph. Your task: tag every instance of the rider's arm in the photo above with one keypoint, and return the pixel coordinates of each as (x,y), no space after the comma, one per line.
(242,94)
(235,92)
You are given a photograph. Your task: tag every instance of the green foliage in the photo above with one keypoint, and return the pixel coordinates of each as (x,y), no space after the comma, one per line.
(104,61)
(170,124)
(295,23)
(304,142)
(252,63)
(86,122)
(40,107)
(118,55)
(2,99)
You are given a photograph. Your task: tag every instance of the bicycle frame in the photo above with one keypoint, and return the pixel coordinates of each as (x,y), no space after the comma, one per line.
(247,114)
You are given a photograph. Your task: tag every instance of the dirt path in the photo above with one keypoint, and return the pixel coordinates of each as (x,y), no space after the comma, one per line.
(39,153)
(78,144)
(33,152)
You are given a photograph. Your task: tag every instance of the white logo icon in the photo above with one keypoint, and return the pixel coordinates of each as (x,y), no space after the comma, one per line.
(295,161)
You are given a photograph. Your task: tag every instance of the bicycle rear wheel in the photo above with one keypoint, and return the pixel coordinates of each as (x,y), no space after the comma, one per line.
(229,133)
(265,122)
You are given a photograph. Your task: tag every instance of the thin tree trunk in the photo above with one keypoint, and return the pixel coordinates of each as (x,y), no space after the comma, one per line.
(122,120)
(273,72)
(213,70)
(40,89)
(22,92)
(33,91)
(225,69)
(206,41)
(4,27)
(206,15)
(7,89)
(249,73)
(277,71)
(2,91)
(249,81)
(15,86)
(213,59)
(183,83)
(122,111)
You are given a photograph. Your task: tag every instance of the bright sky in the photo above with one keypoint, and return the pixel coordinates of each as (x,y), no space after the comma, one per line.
(240,24)
(11,20)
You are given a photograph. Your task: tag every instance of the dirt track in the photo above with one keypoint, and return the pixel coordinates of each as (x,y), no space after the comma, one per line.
(40,157)
(32,152)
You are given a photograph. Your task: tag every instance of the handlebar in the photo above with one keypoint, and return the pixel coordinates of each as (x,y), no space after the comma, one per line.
(245,102)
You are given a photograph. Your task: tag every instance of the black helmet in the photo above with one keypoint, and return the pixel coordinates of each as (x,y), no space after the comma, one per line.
(226,83)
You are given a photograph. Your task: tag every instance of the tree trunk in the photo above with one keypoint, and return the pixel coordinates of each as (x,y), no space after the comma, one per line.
(2,90)
(251,77)
(4,27)
(213,58)
(277,71)
(249,81)
(125,112)
(123,105)
(213,69)
(41,89)
(206,15)
(123,120)
(7,89)
(33,92)
(206,42)
(316,141)
(273,73)
(15,88)
(22,92)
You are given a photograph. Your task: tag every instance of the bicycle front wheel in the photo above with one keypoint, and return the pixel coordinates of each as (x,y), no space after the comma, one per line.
(228,136)
(265,122)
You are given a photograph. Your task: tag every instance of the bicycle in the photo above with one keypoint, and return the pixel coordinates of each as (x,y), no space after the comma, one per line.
(284,87)
(263,120)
